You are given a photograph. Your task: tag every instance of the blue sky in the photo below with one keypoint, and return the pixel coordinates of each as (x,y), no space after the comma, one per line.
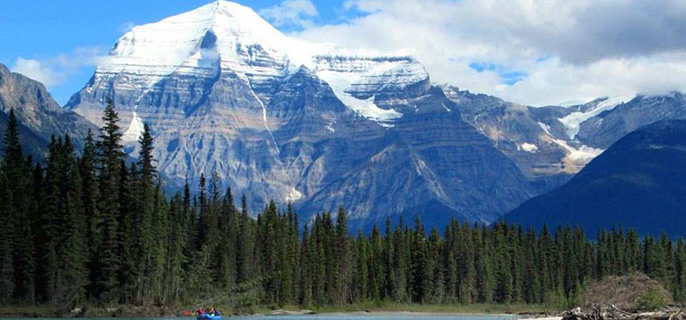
(530,52)
(46,29)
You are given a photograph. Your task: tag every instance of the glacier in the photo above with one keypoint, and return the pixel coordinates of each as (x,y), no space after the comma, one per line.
(573,120)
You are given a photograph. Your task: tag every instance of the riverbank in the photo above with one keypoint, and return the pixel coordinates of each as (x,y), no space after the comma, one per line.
(438,308)
(525,311)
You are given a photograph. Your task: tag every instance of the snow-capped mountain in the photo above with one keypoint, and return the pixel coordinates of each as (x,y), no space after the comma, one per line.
(225,39)
(278,118)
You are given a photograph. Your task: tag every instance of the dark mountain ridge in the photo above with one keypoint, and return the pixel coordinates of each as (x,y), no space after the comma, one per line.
(638,183)
(39,115)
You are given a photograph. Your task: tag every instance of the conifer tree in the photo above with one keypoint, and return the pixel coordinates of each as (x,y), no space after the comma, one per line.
(90,196)
(680,271)
(436,288)
(130,270)
(377,277)
(342,276)
(111,154)
(74,254)
(13,155)
(16,171)
(306,269)
(175,257)
(160,233)
(246,247)
(362,269)
(6,262)
(144,216)
(450,263)
(51,223)
(419,279)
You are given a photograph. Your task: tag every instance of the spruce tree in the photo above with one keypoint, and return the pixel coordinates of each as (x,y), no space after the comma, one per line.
(343,274)
(51,223)
(90,196)
(132,263)
(13,155)
(75,254)
(6,235)
(111,154)
(16,170)
(419,280)
(306,269)
(377,277)
(435,271)
(143,217)
(246,247)
(680,271)
(362,269)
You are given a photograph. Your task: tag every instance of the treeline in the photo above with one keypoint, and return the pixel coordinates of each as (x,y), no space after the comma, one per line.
(95,228)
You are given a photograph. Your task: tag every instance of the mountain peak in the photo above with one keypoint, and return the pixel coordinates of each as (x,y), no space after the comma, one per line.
(226,40)
(230,7)
(229,18)
(218,36)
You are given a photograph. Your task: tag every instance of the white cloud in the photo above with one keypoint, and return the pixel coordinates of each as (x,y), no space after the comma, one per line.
(291,13)
(54,70)
(566,50)
(38,71)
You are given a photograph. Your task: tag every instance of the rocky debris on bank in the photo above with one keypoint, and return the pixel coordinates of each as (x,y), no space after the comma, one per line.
(281,312)
(614,313)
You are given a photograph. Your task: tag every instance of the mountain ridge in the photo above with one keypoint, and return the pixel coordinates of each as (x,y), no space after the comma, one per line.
(40,117)
(637,177)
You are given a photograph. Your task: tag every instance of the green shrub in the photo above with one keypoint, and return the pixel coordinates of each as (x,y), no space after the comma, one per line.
(652,300)
(630,292)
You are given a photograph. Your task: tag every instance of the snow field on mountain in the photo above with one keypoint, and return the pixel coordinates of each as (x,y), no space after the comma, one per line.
(340,81)
(573,121)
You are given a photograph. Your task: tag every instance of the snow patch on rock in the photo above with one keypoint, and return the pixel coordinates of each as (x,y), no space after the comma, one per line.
(529,147)
(293,195)
(582,154)
(573,121)
(545,127)
(340,81)
(135,129)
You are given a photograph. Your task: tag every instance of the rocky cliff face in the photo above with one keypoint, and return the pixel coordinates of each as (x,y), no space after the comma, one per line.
(39,115)
(535,139)
(225,92)
(551,143)
(609,126)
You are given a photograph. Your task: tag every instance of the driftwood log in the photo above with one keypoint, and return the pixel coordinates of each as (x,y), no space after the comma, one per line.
(613,313)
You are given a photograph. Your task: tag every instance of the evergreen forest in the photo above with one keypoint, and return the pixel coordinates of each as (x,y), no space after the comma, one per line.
(93,226)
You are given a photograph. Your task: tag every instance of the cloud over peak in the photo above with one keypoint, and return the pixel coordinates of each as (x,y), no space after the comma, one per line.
(291,14)
(531,52)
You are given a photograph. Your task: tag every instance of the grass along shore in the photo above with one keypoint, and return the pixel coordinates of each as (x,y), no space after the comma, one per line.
(438,308)
(43,311)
